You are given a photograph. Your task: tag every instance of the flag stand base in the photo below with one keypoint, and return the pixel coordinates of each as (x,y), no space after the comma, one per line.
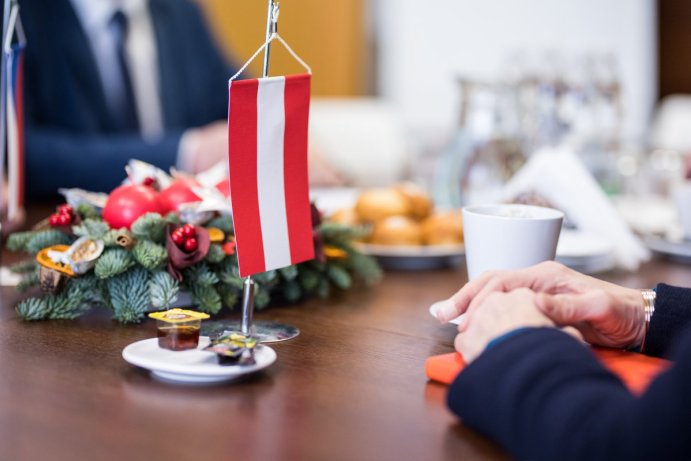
(265,331)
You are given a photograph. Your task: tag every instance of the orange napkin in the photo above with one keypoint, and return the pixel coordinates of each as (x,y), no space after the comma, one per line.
(635,370)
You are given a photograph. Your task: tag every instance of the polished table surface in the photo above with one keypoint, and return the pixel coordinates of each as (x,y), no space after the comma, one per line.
(350,387)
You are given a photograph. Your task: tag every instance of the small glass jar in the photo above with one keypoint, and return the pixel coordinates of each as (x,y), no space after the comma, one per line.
(178,329)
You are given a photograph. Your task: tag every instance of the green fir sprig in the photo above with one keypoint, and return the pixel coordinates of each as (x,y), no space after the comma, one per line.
(132,280)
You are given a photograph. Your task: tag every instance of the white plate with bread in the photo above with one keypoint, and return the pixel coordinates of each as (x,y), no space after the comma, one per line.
(406,231)
(408,257)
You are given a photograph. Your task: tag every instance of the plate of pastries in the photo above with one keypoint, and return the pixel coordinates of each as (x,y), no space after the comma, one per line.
(404,230)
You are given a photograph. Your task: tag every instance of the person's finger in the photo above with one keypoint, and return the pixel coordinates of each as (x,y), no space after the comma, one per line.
(463,322)
(568,309)
(458,343)
(445,310)
(460,300)
(539,277)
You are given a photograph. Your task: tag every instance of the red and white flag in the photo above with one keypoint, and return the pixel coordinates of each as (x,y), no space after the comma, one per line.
(15,131)
(267,160)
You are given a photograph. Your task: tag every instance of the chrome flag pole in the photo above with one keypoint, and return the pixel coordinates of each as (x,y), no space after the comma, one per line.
(271,27)
(271,232)
(248,289)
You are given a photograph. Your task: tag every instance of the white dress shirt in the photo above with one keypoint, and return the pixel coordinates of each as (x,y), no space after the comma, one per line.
(141,56)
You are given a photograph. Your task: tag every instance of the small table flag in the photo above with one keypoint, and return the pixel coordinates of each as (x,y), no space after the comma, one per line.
(15,131)
(267,160)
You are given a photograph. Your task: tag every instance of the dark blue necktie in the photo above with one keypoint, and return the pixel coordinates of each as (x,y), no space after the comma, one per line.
(126,112)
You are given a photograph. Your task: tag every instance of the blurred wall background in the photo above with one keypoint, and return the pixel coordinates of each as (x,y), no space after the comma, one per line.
(331,36)
(424,46)
(410,52)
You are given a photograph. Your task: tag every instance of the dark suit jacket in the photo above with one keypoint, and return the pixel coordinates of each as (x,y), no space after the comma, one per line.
(544,396)
(71,139)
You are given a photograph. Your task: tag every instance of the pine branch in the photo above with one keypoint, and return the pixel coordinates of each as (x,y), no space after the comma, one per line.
(207,297)
(266,278)
(289,273)
(29,280)
(150,226)
(229,274)
(333,233)
(110,237)
(172,218)
(129,295)
(22,267)
(18,240)
(225,223)
(87,211)
(163,290)
(150,255)
(229,295)
(200,274)
(73,302)
(365,267)
(215,254)
(33,309)
(324,288)
(339,276)
(262,297)
(89,288)
(292,291)
(92,228)
(308,278)
(112,262)
(46,238)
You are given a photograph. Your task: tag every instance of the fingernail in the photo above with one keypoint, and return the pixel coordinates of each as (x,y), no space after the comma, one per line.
(444,310)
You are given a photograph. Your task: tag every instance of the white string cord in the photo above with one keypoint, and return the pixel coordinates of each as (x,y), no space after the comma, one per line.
(261,48)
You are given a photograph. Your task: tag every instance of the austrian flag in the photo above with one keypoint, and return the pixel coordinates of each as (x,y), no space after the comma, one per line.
(267,159)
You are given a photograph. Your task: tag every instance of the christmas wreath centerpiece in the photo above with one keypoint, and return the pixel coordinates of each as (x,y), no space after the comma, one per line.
(147,242)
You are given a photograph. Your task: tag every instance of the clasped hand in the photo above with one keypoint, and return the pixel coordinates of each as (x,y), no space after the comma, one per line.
(548,294)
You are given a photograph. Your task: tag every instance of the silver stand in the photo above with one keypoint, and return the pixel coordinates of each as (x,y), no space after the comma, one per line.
(3,110)
(265,332)
(3,106)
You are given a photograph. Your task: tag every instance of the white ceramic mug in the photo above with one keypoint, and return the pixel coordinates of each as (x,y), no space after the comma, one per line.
(509,236)
(682,200)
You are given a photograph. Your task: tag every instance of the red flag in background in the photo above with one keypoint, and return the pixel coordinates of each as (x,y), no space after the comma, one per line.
(267,155)
(15,132)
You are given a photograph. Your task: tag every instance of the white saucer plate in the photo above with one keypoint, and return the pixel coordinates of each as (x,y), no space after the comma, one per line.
(193,366)
(584,252)
(675,249)
(411,257)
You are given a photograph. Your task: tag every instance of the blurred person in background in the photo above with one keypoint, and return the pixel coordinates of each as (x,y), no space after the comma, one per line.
(541,394)
(110,80)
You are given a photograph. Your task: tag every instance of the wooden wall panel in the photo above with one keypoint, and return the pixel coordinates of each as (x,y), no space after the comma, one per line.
(674,46)
(328,34)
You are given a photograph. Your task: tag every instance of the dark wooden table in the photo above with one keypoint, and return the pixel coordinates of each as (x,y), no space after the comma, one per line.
(350,387)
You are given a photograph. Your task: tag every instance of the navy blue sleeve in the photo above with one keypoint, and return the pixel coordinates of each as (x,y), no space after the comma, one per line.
(672,314)
(56,158)
(542,395)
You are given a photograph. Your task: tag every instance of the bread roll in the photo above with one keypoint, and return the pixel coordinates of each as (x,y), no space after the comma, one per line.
(376,204)
(419,203)
(445,228)
(346,216)
(396,230)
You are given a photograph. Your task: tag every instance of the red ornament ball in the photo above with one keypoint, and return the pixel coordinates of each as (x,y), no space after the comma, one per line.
(127,203)
(189,231)
(179,192)
(191,245)
(65,209)
(178,236)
